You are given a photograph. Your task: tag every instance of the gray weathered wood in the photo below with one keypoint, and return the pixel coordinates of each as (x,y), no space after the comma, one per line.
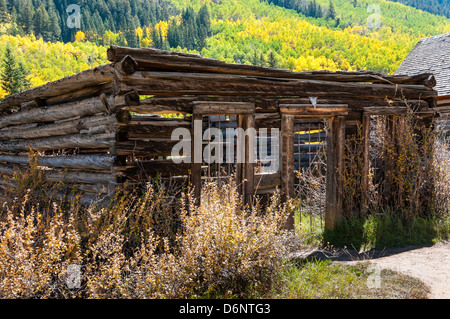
(97,141)
(86,107)
(287,163)
(173,83)
(92,125)
(211,108)
(89,78)
(88,162)
(153,59)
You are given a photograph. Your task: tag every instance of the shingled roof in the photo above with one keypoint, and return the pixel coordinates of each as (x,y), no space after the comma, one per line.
(430,55)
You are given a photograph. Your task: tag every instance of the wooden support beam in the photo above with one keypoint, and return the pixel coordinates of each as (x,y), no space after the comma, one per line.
(377,110)
(335,170)
(224,108)
(366,161)
(197,156)
(250,157)
(287,163)
(177,83)
(311,111)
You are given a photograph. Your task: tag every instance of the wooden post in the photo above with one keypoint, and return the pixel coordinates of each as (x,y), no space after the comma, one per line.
(196,166)
(239,166)
(366,161)
(335,170)
(249,166)
(287,163)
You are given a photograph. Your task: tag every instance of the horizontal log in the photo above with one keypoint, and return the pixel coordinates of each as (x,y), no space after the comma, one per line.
(98,141)
(83,108)
(385,110)
(163,168)
(146,147)
(80,94)
(183,104)
(174,83)
(210,108)
(153,59)
(155,128)
(92,125)
(80,177)
(68,176)
(321,111)
(92,77)
(90,162)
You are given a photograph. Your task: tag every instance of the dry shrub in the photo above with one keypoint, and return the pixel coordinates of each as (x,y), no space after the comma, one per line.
(131,249)
(408,172)
(35,253)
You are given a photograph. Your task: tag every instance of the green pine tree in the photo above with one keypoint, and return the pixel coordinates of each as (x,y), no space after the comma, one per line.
(14,75)
(272,60)
(331,11)
(4,17)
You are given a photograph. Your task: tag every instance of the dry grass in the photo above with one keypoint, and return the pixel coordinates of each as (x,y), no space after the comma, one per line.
(142,246)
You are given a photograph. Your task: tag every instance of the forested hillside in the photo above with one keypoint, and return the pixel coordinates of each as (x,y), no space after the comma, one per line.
(440,7)
(299,35)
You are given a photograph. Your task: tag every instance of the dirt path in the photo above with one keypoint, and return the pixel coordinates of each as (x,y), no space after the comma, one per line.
(430,264)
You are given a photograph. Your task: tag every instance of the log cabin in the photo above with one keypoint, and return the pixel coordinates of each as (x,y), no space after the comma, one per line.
(112,125)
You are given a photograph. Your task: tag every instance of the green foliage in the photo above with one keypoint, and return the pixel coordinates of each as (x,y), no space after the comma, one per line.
(316,279)
(438,7)
(14,75)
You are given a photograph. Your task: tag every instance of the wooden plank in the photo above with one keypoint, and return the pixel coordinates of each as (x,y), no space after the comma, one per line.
(287,163)
(319,110)
(249,166)
(366,161)
(232,108)
(196,157)
(375,110)
(266,181)
(176,83)
(335,162)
